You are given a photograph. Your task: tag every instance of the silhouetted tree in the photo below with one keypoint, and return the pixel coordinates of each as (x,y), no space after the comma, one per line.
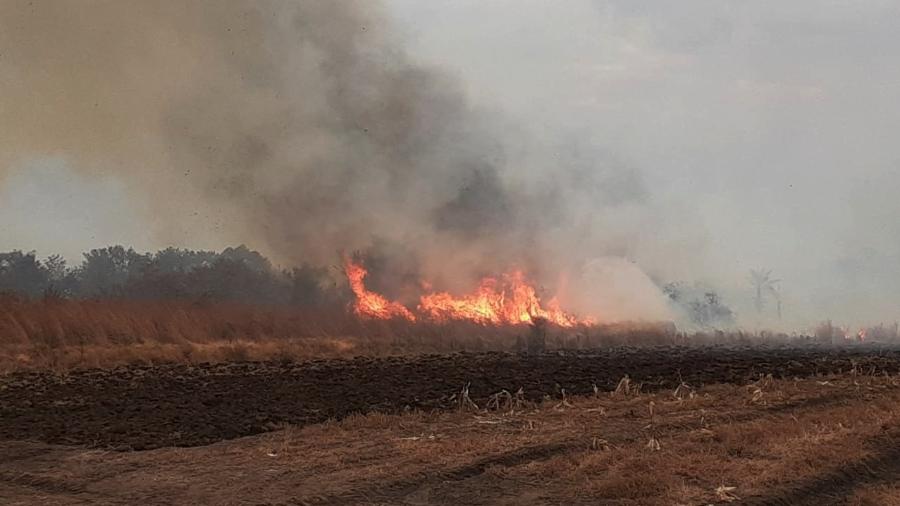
(105,271)
(236,274)
(765,286)
(182,260)
(703,307)
(248,257)
(22,273)
(308,286)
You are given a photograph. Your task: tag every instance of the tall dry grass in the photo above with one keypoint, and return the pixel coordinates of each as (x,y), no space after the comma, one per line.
(61,333)
(66,333)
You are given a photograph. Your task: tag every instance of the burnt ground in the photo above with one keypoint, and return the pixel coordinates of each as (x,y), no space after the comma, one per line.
(820,441)
(145,407)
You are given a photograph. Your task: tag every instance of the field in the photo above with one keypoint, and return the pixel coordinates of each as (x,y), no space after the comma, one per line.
(63,334)
(625,425)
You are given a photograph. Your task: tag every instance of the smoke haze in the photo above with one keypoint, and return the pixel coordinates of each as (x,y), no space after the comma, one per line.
(608,147)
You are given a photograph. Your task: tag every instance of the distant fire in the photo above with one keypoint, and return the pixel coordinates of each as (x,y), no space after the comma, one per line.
(508,299)
(860,335)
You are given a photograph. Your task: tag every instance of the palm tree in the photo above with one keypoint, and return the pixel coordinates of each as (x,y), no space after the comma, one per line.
(765,286)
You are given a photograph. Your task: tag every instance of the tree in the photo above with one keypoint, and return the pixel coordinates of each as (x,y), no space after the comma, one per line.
(248,257)
(309,286)
(237,274)
(238,281)
(182,260)
(105,271)
(22,273)
(765,286)
(55,266)
(702,305)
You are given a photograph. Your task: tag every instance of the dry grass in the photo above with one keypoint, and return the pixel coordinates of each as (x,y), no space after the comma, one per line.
(62,334)
(813,441)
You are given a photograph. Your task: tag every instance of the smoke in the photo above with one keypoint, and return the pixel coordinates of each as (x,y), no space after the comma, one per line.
(303,128)
(761,132)
(689,144)
(627,293)
(298,124)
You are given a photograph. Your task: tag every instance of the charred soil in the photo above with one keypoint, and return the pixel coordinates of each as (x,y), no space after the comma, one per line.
(145,407)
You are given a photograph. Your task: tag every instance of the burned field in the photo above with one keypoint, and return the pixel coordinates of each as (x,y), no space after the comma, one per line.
(690,425)
(144,407)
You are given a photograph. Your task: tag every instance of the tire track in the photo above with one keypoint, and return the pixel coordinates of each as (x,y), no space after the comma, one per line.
(395,491)
(837,485)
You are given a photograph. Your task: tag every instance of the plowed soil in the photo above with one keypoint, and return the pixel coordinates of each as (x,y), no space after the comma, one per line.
(144,407)
(817,441)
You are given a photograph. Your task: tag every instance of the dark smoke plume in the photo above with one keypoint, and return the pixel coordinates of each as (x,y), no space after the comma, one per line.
(301,127)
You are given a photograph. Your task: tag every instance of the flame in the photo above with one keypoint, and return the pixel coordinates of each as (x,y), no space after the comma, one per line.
(509,299)
(371,304)
(861,335)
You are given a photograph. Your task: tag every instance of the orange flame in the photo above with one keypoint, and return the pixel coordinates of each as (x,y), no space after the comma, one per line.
(508,300)
(371,304)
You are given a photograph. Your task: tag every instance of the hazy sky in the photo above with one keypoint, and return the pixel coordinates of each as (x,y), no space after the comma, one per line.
(763,132)
(774,122)
(50,208)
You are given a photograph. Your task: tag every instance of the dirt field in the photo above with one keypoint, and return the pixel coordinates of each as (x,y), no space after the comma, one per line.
(826,434)
(142,407)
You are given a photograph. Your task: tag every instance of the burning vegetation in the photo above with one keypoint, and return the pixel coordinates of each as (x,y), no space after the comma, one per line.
(509,299)
(241,275)
(369,303)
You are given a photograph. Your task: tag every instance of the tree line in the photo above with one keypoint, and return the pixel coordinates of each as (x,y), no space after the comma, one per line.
(236,274)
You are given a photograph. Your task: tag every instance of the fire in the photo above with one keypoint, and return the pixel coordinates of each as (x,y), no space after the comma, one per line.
(509,299)
(861,335)
(371,304)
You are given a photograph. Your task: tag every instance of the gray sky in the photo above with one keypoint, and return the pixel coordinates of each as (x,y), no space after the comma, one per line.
(52,209)
(762,131)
